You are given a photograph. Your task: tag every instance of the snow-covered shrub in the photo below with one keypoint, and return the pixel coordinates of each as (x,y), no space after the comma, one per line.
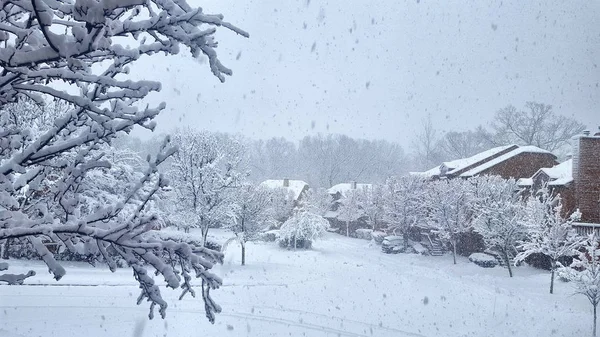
(301,230)
(419,248)
(363,233)
(270,236)
(483,260)
(378,236)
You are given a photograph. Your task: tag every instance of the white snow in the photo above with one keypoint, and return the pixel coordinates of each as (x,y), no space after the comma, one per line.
(523,149)
(459,164)
(343,287)
(343,188)
(296,187)
(560,174)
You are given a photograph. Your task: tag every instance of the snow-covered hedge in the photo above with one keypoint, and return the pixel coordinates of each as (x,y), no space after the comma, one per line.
(483,260)
(364,233)
(420,249)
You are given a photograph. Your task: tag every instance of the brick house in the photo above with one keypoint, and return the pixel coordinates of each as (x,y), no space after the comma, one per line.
(511,161)
(577,180)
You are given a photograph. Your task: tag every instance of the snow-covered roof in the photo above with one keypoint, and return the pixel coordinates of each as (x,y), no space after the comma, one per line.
(523,149)
(525,182)
(428,174)
(456,165)
(459,164)
(560,174)
(345,187)
(294,186)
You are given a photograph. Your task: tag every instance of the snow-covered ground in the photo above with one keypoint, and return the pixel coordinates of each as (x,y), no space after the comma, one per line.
(344,287)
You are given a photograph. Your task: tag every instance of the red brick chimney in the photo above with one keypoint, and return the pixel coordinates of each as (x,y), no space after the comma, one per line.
(586,176)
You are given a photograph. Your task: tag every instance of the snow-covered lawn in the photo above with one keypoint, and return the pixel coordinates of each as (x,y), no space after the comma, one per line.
(344,287)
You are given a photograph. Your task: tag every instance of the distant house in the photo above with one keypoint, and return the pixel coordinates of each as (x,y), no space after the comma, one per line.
(577,180)
(511,161)
(338,193)
(295,188)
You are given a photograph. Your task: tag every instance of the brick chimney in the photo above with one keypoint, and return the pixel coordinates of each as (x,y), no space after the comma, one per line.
(286,182)
(586,176)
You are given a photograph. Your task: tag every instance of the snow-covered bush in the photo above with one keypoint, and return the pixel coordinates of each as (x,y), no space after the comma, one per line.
(270,236)
(378,236)
(483,260)
(419,248)
(72,52)
(363,233)
(301,230)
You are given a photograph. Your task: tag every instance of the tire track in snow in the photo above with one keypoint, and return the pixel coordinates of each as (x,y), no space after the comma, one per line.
(368,325)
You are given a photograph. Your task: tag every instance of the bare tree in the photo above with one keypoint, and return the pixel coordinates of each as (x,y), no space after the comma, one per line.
(426,145)
(463,144)
(536,125)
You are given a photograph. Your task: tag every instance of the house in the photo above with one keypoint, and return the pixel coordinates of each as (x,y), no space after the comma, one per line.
(295,188)
(511,161)
(577,180)
(338,193)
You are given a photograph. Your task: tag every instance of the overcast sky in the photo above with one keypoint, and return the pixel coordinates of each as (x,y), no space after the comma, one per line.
(374,69)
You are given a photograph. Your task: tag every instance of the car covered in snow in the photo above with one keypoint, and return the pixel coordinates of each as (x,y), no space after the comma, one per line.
(393,244)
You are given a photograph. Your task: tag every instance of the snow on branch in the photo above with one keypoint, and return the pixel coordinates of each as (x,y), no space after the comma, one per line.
(65,95)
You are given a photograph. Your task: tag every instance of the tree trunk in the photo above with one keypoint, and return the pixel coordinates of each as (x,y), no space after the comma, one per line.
(243,253)
(204,236)
(294,242)
(508,264)
(6,248)
(552,277)
(348,228)
(454,250)
(594,327)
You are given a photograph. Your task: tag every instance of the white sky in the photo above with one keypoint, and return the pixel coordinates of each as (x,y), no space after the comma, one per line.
(378,67)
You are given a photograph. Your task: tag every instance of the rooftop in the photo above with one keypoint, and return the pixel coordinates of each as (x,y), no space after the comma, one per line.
(294,186)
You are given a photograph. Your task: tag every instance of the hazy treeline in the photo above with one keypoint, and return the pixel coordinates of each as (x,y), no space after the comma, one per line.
(326,160)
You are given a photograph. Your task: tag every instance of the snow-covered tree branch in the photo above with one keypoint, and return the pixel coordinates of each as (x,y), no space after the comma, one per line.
(67,55)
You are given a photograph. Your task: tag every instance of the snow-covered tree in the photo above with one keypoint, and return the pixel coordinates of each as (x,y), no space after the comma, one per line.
(350,209)
(70,51)
(282,205)
(584,273)
(302,229)
(251,214)
(548,232)
(403,204)
(371,200)
(449,204)
(498,212)
(204,170)
(317,201)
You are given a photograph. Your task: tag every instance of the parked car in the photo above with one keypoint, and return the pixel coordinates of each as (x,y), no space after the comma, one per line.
(393,245)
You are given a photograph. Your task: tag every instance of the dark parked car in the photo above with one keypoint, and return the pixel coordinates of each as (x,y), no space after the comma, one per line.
(393,245)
